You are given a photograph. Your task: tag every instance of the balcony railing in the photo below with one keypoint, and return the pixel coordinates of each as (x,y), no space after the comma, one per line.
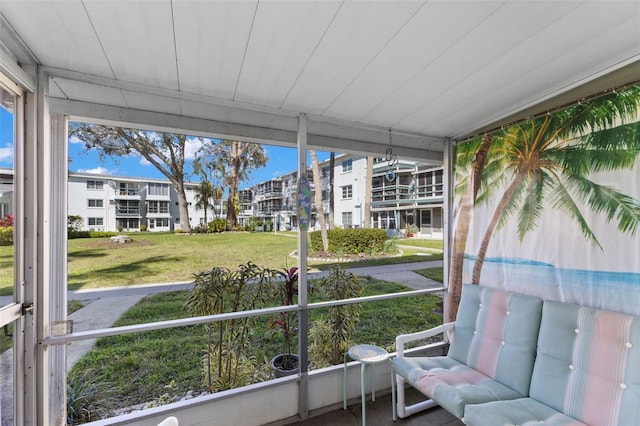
(127,211)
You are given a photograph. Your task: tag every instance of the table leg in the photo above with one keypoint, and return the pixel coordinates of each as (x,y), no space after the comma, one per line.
(373,382)
(344,384)
(394,415)
(362,389)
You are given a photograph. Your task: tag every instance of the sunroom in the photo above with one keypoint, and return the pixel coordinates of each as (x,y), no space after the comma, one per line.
(418,80)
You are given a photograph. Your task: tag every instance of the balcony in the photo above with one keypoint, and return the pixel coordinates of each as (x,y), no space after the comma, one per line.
(127,211)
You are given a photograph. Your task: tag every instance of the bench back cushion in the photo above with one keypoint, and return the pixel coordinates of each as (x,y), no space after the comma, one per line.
(496,333)
(588,364)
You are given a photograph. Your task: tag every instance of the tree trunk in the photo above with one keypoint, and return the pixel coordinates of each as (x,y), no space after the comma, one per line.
(183,210)
(233,187)
(484,245)
(462,230)
(367,193)
(318,197)
(332,164)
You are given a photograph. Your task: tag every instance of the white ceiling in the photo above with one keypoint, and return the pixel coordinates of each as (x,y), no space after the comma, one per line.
(425,69)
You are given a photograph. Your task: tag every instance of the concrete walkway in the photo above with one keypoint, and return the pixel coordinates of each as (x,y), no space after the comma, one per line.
(103,306)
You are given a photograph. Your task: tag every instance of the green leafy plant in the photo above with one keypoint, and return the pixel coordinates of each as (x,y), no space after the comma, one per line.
(85,399)
(220,290)
(411,229)
(285,289)
(331,334)
(217,225)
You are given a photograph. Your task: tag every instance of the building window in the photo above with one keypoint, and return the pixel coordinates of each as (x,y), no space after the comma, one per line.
(158,207)
(95,221)
(347,218)
(347,192)
(325,195)
(95,184)
(95,203)
(325,172)
(347,166)
(158,189)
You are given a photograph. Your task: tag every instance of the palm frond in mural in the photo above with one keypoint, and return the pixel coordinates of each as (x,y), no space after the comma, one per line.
(547,162)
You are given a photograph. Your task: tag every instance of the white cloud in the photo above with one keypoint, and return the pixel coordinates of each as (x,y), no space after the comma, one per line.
(75,139)
(6,154)
(191,147)
(145,162)
(96,170)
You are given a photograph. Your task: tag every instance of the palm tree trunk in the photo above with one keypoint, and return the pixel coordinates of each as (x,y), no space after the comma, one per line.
(484,245)
(462,229)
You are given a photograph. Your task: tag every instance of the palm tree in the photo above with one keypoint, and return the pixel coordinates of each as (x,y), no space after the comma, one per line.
(205,192)
(553,156)
(473,173)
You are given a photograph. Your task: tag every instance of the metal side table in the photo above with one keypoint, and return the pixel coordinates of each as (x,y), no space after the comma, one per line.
(367,355)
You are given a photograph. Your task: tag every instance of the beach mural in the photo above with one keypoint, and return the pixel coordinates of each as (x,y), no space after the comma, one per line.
(551,206)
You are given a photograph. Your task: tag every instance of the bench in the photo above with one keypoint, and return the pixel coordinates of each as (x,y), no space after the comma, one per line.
(517,360)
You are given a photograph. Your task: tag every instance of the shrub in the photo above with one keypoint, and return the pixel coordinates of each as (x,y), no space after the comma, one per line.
(143,227)
(217,225)
(331,334)
(6,235)
(353,241)
(90,234)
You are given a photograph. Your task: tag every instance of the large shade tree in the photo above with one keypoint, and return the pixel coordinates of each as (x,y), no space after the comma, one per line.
(165,151)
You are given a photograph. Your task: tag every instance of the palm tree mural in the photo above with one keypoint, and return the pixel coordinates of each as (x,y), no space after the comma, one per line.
(548,161)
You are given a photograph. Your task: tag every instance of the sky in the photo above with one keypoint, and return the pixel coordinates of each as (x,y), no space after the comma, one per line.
(281,160)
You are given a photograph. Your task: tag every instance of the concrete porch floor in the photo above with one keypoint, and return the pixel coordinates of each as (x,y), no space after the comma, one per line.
(379,414)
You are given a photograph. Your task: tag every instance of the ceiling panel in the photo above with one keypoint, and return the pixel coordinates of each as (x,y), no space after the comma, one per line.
(211,38)
(82,91)
(346,50)
(58,33)
(283,37)
(420,67)
(420,44)
(138,40)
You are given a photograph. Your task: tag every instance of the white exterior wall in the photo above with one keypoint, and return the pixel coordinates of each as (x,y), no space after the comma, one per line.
(80,194)
(355,178)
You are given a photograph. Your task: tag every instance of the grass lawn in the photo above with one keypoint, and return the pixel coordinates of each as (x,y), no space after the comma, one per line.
(163,365)
(168,257)
(435,274)
(435,244)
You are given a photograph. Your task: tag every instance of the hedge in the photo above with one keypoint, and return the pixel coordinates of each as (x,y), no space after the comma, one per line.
(90,234)
(352,240)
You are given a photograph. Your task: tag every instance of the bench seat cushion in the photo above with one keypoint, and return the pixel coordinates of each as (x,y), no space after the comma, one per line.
(588,364)
(524,411)
(451,384)
(491,356)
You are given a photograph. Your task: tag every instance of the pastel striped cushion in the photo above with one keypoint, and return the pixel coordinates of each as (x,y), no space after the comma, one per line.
(451,384)
(496,333)
(525,412)
(588,364)
(491,356)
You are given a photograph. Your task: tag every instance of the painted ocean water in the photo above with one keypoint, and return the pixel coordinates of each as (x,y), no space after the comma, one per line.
(615,291)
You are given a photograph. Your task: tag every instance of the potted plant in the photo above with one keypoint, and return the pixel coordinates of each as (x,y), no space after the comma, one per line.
(285,289)
(411,230)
